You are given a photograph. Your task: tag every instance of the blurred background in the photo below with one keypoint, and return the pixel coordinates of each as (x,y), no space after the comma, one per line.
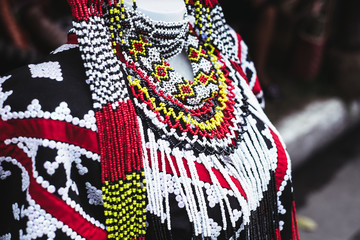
(307,55)
(30,29)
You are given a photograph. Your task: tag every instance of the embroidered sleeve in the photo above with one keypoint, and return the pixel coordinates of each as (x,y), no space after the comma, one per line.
(285,200)
(49,158)
(244,64)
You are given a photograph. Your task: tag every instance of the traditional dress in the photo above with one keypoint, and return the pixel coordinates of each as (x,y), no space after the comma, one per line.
(104,139)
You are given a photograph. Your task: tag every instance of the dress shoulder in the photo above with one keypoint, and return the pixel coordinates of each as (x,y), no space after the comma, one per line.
(49,157)
(59,77)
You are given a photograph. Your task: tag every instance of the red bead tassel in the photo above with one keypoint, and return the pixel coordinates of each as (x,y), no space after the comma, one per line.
(120,142)
(206,3)
(124,191)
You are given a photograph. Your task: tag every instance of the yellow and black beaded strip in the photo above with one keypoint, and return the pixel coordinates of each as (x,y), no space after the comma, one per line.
(125,207)
(124,186)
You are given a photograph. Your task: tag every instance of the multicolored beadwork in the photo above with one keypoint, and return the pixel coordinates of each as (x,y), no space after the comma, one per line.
(203,106)
(199,108)
(152,121)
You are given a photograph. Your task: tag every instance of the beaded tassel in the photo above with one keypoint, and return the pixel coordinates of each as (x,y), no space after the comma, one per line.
(83,9)
(124,191)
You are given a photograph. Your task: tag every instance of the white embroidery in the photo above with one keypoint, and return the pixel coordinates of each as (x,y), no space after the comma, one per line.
(215,229)
(6,237)
(4,109)
(49,69)
(16,211)
(67,155)
(94,195)
(62,113)
(64,47)
(3,79)
(51,167)
(4,173)
(42,224)
(237,214)
(24,175)
(281,225)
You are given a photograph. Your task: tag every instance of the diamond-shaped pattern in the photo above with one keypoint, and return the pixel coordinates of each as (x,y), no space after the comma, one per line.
(139,47)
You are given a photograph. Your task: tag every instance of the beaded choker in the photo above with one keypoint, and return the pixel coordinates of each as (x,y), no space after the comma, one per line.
(148,44)
(168,38)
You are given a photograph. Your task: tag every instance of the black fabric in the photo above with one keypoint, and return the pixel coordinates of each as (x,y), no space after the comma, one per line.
(75,92)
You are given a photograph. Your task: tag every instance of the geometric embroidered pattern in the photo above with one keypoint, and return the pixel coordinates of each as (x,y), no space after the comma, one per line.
(50,70)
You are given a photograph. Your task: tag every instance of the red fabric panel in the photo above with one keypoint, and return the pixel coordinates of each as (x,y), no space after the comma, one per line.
(278,235)
(50,129)
(52,204)
(282,163)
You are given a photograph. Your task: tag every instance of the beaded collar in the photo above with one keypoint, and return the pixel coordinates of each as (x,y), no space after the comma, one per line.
(199,111)
(149,44)
(168,38)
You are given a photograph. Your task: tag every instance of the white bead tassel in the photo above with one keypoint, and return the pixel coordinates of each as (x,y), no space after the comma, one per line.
(191,200)
(244,205)
(165,190)
(158,206)
(179,185)
(265,161)
(199,193)
(220,193)
(254,180)
(147,170)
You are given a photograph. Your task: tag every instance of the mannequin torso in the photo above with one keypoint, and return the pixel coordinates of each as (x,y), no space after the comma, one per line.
(167,11)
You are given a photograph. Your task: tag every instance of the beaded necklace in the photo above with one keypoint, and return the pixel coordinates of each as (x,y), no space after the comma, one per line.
(202,108)
(163,106)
